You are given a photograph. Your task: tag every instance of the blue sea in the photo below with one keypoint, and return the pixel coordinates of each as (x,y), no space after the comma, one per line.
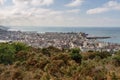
(113,32)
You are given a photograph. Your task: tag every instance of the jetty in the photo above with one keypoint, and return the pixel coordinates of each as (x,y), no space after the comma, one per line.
(98,37)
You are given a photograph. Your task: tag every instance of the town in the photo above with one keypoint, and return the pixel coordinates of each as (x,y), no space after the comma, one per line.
(58,40)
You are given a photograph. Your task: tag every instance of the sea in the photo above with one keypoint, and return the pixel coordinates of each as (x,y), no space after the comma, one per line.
(113,32)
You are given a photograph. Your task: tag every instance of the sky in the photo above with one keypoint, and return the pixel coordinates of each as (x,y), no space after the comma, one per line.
(64,13)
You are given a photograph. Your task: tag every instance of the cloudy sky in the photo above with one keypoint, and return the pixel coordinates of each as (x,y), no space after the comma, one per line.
(60,13)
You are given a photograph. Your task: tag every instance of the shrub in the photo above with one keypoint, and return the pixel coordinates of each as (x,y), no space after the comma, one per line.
(20,46)
(117,60)
(93,55)
(104,54)
(75,55)
(53,49)
(46,52)
(63,56)
(7,53)
(21,56)
(17,75)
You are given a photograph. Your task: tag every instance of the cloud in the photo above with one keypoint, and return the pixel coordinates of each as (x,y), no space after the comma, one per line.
(16,12)
(23,12)
(42,2)
(33,12)
(73,11)
(97,10)
(75,3)
(111,5)
(2,2)
(33,2)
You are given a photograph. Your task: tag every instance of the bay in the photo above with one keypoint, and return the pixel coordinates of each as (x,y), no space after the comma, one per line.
(113,32)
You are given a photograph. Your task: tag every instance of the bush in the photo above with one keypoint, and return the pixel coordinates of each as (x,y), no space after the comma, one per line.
(88,55)
(21,56)
(117,60)
(104,54)
(7,53)
(20,46)
(75,55)
(93,55)
(46,52)
(53,49)
(17,75)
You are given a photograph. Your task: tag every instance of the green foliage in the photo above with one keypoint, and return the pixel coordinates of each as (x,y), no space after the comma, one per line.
(116,60)
(93,55)
(7,54)
(19,46)
(8,51)
(75,55)
(28,63)
(103,54)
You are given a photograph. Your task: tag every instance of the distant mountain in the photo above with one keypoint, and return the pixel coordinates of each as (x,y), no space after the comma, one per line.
(4,28)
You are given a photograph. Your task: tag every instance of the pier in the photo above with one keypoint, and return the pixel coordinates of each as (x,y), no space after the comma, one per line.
(98,37)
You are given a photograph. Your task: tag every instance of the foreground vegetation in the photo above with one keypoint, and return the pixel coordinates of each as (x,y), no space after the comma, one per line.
(21,62)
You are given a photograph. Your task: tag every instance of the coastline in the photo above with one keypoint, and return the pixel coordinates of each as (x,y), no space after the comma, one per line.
(112,32)
(60,40)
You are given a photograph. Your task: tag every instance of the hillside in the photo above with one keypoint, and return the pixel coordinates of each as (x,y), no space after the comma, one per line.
(3,28)
(21,62)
